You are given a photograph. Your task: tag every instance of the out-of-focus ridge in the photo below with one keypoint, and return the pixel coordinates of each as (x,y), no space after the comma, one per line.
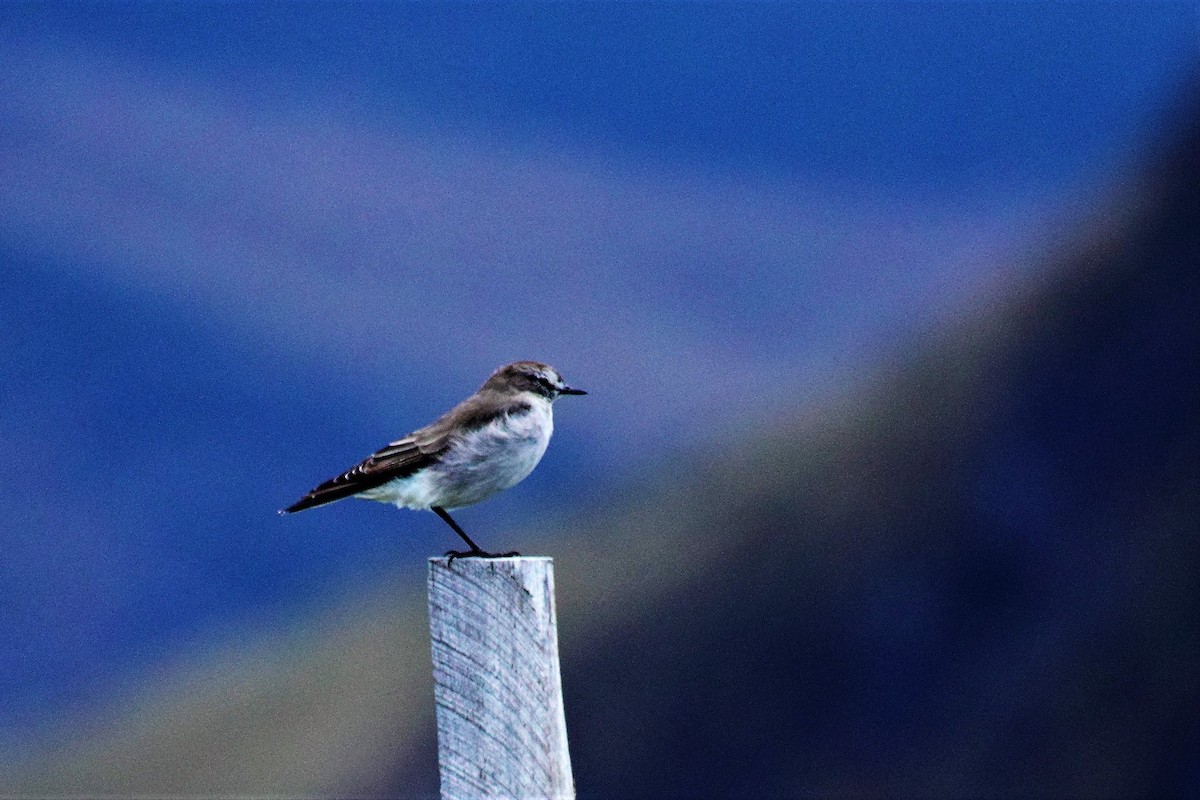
(970,578)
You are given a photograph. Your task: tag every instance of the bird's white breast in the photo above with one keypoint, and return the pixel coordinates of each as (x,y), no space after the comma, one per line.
(481,462)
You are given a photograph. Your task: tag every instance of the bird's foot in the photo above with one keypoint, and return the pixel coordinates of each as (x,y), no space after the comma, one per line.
(453,554)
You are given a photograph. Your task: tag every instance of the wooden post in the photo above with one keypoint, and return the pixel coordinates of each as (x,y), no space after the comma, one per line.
(501,729)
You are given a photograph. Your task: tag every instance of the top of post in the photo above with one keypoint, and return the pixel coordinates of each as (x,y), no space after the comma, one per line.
(445,560)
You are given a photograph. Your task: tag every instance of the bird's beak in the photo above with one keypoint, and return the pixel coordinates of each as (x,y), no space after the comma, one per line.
(569,390)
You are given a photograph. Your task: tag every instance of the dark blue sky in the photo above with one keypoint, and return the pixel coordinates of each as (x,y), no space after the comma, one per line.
(931,95)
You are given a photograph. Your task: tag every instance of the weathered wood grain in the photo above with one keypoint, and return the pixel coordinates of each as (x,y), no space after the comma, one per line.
(501,729)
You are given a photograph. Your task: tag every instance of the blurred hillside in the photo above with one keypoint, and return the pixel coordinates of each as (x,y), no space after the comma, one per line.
(241,245)
(977,577)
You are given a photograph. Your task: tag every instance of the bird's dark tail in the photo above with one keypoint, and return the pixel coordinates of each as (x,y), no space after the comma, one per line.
(299,505)
(328,492)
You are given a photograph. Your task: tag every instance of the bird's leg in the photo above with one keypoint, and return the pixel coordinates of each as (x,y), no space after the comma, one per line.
(476,551)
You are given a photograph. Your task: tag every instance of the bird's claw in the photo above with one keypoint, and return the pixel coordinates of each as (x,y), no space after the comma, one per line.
(453,554)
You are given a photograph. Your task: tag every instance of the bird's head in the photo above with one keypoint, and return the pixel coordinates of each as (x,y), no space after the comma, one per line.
(529,376)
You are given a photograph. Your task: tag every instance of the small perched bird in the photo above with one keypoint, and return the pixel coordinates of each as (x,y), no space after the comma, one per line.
(487,443)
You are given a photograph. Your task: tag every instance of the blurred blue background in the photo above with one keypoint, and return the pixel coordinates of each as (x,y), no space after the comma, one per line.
(244,245)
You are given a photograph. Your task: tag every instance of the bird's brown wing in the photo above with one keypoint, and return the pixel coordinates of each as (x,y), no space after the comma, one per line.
(406,456)
(398,459)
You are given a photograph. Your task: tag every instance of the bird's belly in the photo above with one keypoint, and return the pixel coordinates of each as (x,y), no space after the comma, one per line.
(418,491)
(489,464)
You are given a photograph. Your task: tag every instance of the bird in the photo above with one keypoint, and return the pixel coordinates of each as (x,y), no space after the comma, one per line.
(487,443)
